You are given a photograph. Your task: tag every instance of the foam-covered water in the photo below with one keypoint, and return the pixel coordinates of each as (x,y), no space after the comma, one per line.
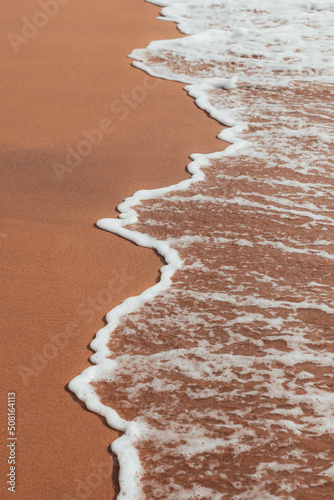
(221,375)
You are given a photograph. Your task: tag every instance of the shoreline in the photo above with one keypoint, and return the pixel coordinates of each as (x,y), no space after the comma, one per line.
(59,269)
(154,353)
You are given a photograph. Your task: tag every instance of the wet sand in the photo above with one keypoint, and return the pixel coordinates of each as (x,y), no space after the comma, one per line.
(229,371)
(60,273)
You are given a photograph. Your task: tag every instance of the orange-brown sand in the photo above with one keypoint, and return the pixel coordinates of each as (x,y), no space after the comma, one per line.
(60,273)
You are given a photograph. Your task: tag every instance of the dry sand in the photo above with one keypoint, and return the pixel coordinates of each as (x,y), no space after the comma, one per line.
(58,269)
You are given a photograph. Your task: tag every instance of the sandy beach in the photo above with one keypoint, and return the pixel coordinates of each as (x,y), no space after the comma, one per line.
(221,373)
(81,130)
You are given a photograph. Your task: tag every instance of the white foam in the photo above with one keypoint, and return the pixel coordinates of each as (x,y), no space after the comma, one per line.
(259,45)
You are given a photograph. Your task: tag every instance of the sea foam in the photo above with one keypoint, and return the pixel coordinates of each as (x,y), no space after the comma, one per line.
(220,375)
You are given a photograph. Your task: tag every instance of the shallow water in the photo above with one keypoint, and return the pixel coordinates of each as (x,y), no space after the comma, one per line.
(227,372)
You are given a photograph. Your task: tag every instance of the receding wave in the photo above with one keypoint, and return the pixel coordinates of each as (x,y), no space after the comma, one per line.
(221,375)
